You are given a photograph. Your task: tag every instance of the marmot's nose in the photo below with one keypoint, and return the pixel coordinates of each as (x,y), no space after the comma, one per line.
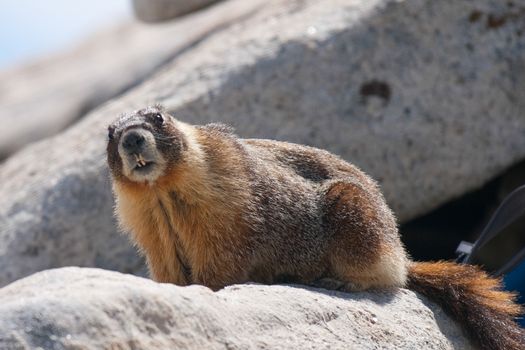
(133,142)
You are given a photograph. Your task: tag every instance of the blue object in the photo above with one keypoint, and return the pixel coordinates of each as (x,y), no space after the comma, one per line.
(515,281)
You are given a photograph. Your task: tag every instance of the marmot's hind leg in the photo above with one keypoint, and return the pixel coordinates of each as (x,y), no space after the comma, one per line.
(364,249)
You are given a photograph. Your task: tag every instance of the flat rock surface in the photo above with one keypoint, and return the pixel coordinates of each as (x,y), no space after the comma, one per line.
(72,308)
(426,96)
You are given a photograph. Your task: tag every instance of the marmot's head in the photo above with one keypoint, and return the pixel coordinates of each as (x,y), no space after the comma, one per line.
(143,145)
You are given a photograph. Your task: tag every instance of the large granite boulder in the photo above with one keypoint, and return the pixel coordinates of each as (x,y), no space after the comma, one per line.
(426,96)
(81,308)
(41,98)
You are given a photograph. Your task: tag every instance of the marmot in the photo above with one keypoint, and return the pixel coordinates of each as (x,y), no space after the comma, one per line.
(207,207)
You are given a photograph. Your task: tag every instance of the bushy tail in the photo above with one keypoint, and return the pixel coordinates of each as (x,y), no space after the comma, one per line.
(473,299)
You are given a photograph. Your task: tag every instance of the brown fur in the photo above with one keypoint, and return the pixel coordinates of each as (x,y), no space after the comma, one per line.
(228,210)
(474,299)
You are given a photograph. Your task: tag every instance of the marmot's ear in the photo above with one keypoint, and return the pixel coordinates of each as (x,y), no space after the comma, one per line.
(159,107)
(220,127)
(111,132)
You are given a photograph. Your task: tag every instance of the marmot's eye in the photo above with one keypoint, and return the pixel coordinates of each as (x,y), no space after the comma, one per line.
(159,119)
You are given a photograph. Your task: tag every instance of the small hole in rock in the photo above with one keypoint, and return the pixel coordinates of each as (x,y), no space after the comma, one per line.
(376,88)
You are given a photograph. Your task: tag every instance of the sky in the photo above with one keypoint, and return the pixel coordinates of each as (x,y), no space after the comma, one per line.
(30,28)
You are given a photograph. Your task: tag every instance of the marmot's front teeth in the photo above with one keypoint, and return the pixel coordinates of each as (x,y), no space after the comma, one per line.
(140,161)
